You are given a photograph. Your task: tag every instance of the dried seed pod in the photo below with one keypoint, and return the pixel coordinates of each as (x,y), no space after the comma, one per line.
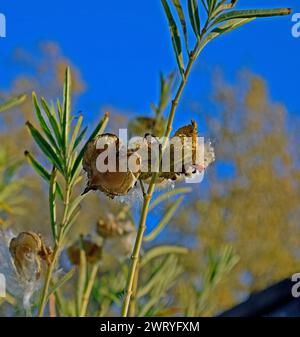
(28,251)
(112,227)
(92,250)
(194,156)
(119,234)
(111,182)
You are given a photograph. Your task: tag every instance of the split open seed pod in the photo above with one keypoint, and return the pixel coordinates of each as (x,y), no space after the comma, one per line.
(102,163)
(29,253)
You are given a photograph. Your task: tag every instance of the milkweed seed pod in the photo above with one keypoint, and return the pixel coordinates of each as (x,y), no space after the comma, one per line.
(186,154)
(29,252)
(93,251)
(106,175)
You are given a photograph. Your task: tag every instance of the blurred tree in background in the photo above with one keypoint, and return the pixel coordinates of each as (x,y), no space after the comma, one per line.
(250,198)
(252,201)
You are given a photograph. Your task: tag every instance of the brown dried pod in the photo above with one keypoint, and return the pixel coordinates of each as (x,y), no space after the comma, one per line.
(112,227)
(111,183)
(28,250)
(199,156)
(92,250)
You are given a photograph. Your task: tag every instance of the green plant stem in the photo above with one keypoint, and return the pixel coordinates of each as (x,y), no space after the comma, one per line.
(88,290)
(132,306)
(151,188)
(56,253)
(48,280)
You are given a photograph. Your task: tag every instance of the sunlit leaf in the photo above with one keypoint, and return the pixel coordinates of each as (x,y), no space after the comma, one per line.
(194,16)
(12,103)
(175,37)
(161,250)
(44,146)
(52,119)
(66,108)
(181,16)
(62,281)
(164,221)
(52,203)
(40,170)
(224,28)
(252,13)
(42,121)
(167,195)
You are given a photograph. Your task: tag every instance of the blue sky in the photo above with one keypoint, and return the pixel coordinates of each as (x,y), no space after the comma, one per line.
(120,47)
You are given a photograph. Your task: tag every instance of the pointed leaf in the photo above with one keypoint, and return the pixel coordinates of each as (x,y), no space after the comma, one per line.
(222,29)
(12,103)
(161,250)
(62,281)
(52,203)
(181,16)
(164,221)
(66,108)
(52,119)
(175,37)
(42,121)
(41,171)
(167,195)
(194,16)
(252,13)
(44,146)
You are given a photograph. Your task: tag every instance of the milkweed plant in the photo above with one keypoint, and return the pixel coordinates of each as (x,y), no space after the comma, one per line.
(33,266)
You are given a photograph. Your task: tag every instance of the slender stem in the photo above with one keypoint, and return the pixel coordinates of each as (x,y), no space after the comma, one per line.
(88,290)
(52,306)
(56,253)
(132,307)
(148,196)
(48,280)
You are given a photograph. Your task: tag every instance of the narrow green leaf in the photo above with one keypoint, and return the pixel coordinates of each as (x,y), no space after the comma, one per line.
(66,109)
(167,195)
(251,13)
(42,121)
(81,281)
(175,37)
(59,110)
(212,5)
(161,250)
(74,204)
(223,6)
(52,203)
(194,16)
(205,5)
(39,169)
(181,16)
(12,103)
(80,137)
(98,130)
(62,281)
(52,120)
(44,146)
(222,29)
(164,221)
